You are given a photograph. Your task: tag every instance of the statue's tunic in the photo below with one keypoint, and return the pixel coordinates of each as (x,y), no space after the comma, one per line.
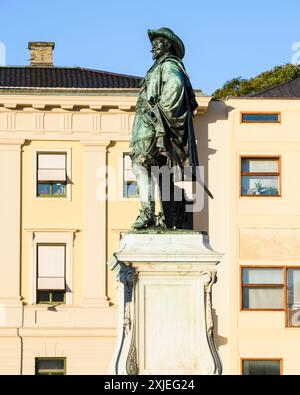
(162,124)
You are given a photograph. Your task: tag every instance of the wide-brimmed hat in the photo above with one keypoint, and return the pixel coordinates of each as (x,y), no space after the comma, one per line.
(164,32)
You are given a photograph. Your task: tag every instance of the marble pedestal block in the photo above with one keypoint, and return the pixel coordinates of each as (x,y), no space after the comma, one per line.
(165,282)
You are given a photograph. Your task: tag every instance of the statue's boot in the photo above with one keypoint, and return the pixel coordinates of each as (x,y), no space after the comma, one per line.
(146,217)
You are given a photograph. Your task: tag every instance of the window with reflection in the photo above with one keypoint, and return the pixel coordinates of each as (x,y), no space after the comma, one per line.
(262,288)
(50,366)
(260,117)
(272,288)
(293,297)
(130,189)
(261,367)
(260,176)
(51,282)
(51,174)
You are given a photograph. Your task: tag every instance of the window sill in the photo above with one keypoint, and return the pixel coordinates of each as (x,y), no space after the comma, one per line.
(47,306)
(52,198)
(262,310)
(261,196)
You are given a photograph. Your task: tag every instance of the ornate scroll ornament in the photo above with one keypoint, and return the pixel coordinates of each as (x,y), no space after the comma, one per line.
(127,359)
(211,280)
(131,365)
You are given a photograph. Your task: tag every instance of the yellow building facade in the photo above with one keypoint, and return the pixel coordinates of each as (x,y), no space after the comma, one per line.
(254,140)
(63,149)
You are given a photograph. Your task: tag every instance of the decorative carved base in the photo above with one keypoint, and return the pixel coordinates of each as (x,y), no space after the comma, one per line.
(165,284)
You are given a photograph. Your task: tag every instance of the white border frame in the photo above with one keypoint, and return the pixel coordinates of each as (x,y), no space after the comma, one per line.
(68,152)
(123,151)
(51,237)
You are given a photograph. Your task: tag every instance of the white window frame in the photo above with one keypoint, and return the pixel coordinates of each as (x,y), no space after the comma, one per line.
(45,150)
(121,178)
(121,181)
(51,237)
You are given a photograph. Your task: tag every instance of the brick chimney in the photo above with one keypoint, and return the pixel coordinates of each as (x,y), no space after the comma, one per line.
(41,53)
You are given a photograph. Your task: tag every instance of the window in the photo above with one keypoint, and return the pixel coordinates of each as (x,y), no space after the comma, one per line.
(261,367)
(51,273)
(40,239)
(293,297)
(260,176)
(272,288)
(50,366)
(51,297)
(51,174)
(262,289)
(130,189)
(260,117)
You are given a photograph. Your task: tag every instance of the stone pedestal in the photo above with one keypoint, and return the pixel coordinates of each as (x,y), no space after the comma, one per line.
(165,281)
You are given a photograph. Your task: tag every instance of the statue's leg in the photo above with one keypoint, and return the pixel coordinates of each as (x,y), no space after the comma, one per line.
(172,200)
(177,206)
(146,192)
(173,208)
(143,179)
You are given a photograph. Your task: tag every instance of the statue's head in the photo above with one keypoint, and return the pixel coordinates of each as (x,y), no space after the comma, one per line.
(164,40)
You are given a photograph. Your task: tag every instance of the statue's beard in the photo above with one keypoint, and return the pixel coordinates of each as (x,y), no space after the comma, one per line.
(157,55)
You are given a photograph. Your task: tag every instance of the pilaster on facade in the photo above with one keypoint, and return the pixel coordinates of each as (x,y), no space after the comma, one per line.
(10,212)
(95,208)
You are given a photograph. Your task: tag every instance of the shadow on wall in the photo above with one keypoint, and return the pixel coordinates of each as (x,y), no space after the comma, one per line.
(217,111)
(219,340)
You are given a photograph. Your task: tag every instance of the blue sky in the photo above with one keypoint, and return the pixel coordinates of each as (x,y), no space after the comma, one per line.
(223,39)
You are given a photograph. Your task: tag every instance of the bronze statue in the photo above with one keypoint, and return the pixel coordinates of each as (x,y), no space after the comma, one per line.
(163,133)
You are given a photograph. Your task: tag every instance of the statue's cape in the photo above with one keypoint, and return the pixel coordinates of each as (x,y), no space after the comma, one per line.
(189,102)
(165,110)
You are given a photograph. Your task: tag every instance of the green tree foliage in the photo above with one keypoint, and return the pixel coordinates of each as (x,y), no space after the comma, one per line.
(240,86)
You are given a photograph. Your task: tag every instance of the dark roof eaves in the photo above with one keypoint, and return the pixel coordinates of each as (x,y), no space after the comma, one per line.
(271,88)
(110,73)
(69,91)
(263,97)
(72,68)
(64,78)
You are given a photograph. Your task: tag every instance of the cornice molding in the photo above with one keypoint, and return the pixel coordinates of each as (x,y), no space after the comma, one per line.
(66,230)
(95,145)
(11,144)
